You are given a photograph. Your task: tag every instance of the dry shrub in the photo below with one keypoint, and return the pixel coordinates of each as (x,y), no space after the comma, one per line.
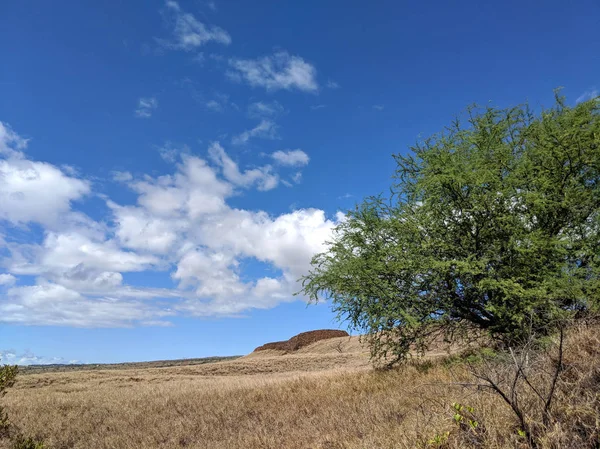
(552,394)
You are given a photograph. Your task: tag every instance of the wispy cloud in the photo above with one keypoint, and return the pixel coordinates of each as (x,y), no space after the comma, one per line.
(11,143)
(317,106)
(332,85)
(261,176)
(146,106)
(297,177)
(266,129)
(278,71)
(121,176)
(214,105)
(291,158)
(220,102)
(262,109)
(378,107)
(188,32)
(588,95)
(199,58)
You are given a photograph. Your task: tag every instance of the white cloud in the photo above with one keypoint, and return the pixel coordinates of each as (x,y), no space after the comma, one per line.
(378,107)
(262,109)
(53,304)
(11,357)
(7,279)
(288,241)
(199,58)
(212,273)
(181,226)
(36,191)
(11,143)
(33,191)
(146,106)
(64,255)
(220,103)
(266,129)
(292,158)
(262,176)
(588,95)
(189,33)
(121,176)
(275,72)
(332,85)
(214,105)
(318,106)
(140,230)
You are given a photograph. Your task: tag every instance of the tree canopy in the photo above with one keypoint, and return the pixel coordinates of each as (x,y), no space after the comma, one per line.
(493,222)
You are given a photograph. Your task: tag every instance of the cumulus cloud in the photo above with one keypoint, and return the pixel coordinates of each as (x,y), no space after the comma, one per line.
(266,129)
(288,241)
(180,226)
(278,71)
(138,229)
(7,279)
(146,106)
(36,191)
(292,158)
(188,32)
(33,191)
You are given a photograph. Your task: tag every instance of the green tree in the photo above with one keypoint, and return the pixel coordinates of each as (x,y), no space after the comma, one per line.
(493,223)
(7,380)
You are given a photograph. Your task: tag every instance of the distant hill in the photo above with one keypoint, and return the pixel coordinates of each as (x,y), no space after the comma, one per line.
(303,339)
(30,369)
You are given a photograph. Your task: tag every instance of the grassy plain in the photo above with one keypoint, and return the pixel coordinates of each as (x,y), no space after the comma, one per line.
(324,396)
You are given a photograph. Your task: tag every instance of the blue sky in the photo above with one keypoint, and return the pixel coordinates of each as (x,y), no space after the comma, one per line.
(167,169)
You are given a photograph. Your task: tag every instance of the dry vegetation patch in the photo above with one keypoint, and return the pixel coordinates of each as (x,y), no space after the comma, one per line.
(296,401)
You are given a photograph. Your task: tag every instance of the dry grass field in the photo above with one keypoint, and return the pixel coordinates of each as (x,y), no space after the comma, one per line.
(324,396)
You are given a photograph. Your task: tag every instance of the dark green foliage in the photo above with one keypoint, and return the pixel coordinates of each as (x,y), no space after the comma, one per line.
(493,224)
(7,379)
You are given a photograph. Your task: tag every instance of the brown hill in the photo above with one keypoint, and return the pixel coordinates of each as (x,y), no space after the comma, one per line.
(303,339)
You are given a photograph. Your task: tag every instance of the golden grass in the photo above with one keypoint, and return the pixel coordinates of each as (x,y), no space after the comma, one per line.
(320,398)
